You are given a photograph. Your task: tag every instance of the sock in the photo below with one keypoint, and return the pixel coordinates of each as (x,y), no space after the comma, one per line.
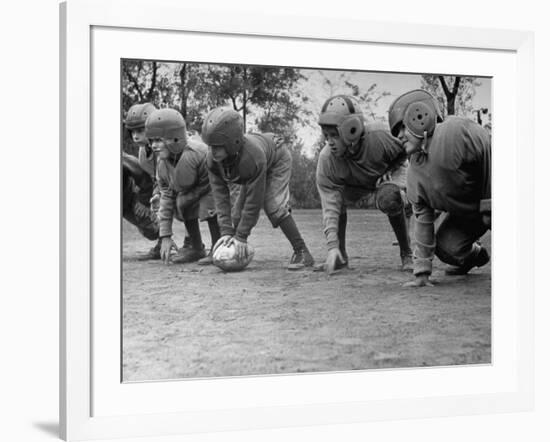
(400,228)
(187,240)
(342,223)
(214,230)
(289,228)
(192,226)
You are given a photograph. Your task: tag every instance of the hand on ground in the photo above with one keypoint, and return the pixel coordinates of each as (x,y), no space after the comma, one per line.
(419,281)
(166,246)
(334,258)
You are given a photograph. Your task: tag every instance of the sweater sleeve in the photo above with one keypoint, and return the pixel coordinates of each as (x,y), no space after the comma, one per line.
(331,199)
(222,199)
(424,233)
(253,198)
(167,202)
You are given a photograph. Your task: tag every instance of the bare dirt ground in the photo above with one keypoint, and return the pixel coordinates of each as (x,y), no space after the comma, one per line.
(183,321)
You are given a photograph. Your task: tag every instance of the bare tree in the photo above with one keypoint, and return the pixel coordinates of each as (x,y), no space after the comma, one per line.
(453,100)
(450,95)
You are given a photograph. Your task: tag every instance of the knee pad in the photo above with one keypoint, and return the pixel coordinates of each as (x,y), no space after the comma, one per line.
(444,255)
(389,199)
(453,254)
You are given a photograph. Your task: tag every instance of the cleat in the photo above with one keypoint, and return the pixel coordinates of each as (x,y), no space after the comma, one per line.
(480,260)
(407,264)
(301,259)
(152,254)
(188,254)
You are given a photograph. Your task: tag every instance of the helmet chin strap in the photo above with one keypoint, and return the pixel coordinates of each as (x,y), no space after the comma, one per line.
(424,138)
(351,149)
(424,144)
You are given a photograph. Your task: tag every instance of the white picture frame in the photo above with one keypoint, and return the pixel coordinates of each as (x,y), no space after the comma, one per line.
(89,411)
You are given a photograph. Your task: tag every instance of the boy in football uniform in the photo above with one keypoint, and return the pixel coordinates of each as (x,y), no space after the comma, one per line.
(450,171)
(359,161)
(138,179)
(261,165)
(184,188)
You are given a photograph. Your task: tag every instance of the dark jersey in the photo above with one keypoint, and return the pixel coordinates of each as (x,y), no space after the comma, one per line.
(258,153)
(454,176)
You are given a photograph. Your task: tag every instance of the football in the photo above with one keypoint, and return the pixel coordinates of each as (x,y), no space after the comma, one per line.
(224,258)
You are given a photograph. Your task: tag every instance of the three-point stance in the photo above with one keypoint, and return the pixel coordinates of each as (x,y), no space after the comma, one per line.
(450,171)
(359,161)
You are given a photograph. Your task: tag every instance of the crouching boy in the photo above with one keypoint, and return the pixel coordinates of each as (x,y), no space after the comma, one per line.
(139,189)
(360,160)
(450,172)
(262,166)
(184,188)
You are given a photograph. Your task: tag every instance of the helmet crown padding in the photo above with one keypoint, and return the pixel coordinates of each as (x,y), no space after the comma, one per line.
(137,115)
(224,127)
(169,125)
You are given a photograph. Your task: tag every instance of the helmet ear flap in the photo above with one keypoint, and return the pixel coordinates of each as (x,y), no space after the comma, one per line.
(351,129)
(420,118)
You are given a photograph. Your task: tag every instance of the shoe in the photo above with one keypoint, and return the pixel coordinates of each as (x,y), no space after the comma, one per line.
(479,260)
(300,259)
(188,254)
(407,264)
(152,254)
(207,260)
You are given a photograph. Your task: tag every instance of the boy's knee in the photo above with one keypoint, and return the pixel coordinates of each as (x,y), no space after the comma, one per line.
(444,255)
(278,216)
(389,199)
(451,253)
(150,232)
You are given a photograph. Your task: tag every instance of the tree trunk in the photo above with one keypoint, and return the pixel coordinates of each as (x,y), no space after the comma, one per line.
(183,90)
(451,105)
(245,98)
(153,83)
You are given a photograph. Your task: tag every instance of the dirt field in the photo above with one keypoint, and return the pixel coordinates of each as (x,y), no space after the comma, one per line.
(184,321)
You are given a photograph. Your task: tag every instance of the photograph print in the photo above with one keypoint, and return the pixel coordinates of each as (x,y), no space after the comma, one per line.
(284,220)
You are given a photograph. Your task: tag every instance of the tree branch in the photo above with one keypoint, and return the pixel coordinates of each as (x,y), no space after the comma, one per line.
(134,81)
(444,85)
